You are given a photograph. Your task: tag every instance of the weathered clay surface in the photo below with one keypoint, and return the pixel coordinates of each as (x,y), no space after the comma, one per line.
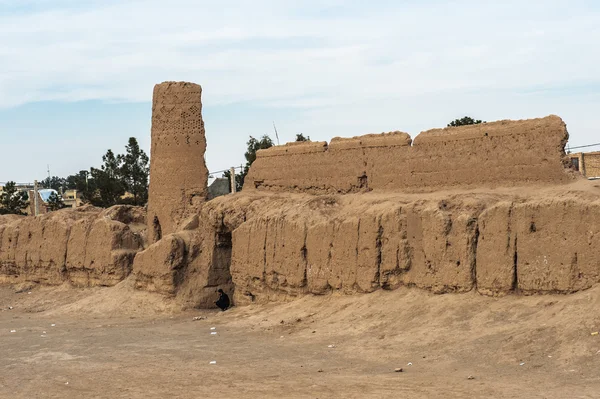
(157,267)
(86,246)
(418,245)
(178,184)
(550,245)
(496,250)
(9,240)
(358,243)
(192,264)
(503,153)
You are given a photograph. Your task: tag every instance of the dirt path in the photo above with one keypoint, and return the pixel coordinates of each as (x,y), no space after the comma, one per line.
(447,338)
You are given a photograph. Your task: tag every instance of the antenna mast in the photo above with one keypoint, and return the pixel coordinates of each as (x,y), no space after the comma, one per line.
(276,135)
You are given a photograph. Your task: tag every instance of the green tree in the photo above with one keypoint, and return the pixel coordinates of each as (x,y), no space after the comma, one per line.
(108,185)
(83,183)
(253,145)
(467,120)
(134,171)
(55,183)
(55,202)
(300,137)
(12,200)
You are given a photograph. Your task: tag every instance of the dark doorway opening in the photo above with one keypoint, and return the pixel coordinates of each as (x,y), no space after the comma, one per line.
(219,275)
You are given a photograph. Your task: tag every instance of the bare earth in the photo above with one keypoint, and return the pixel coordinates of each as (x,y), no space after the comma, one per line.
(119,343)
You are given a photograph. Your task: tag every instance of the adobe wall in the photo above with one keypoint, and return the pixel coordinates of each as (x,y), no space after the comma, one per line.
(265,247)
(350,250)
(86,246)
(591,164)
(503,153)
(358,243)
(547,245)
(178,174)
(394,226)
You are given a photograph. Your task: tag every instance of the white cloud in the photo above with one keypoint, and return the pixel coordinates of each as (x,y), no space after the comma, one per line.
(421,48)
(289,54)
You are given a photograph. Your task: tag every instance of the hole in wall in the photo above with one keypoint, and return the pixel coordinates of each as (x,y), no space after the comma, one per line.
(156,229)
(219,272)
(532,228)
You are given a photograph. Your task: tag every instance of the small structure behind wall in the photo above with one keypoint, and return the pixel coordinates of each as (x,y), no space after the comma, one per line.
(219,187)
(586,163)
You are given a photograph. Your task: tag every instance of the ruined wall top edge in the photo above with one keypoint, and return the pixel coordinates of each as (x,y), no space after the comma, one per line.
(338,143)
(505,127)
(177,84)
(488,154)
(539,126)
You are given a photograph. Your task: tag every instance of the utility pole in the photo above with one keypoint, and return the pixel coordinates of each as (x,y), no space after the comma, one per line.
(232,179)
(36,205)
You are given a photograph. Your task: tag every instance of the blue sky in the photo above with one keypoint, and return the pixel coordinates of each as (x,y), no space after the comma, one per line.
(76,77)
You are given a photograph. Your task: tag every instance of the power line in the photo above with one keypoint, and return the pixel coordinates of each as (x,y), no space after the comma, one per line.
(225,170)
(583,146)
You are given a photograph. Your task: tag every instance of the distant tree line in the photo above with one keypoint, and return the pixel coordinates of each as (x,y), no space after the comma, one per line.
(121,179)
(12,201)
(466,120)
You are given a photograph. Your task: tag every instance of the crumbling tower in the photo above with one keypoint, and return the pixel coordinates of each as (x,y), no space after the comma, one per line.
(178,174)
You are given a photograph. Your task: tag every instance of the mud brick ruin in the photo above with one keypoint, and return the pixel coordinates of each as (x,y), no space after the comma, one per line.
(492,154)
(490,207)
(179,177)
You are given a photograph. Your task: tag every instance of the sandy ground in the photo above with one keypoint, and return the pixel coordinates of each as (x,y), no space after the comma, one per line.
(117,343)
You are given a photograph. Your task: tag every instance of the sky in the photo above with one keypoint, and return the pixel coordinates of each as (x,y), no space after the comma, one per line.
(76,76)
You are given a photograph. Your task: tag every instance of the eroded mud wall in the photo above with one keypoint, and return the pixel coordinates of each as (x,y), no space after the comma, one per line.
(427,245)
(489,154)
(358,243)
(86,247)
(178,174)
(548,245)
